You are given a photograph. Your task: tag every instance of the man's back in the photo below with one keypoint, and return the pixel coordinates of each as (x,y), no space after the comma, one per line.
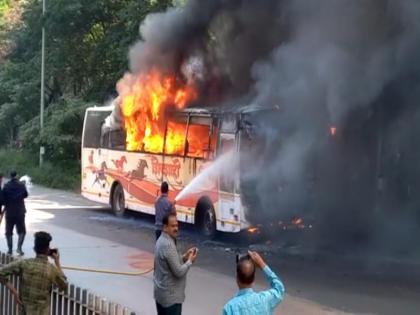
(37,278)
(162,208)
(14,193)
(249,302)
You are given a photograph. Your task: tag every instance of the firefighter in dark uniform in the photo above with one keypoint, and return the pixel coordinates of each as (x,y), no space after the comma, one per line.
(14,193)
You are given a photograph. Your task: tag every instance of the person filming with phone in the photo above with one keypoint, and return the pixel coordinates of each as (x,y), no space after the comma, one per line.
(37,275)
(247,301)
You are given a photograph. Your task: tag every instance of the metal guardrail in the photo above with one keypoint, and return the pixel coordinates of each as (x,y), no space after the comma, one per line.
(76,301)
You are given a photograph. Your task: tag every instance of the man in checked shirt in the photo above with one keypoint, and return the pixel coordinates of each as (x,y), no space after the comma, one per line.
(37,277)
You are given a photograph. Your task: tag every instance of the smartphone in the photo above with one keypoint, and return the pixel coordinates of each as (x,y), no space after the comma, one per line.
(53,251)
(240,257)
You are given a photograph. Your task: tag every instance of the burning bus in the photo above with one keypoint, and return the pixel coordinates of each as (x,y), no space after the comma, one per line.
(125,172)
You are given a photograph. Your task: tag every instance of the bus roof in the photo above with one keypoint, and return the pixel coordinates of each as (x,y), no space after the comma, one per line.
(203,110)
(107,108)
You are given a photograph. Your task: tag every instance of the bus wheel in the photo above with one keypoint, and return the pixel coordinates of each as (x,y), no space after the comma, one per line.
(118,201)
(207,223)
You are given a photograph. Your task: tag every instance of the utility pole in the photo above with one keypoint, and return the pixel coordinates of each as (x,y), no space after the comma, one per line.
(41,114)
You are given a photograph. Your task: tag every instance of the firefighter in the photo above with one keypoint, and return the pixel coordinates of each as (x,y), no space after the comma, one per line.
(163,207)
(14,193)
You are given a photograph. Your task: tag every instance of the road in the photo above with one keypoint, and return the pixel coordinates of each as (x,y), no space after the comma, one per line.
(88,235)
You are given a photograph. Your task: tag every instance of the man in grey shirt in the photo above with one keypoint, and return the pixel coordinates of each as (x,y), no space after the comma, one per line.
(163,207)
(171,269)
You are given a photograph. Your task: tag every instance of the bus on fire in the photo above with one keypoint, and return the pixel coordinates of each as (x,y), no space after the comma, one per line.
(130,178)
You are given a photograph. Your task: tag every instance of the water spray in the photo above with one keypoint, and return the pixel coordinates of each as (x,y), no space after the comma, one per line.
(224,164)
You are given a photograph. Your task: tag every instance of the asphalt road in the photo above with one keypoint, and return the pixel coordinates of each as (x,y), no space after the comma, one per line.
(89,235)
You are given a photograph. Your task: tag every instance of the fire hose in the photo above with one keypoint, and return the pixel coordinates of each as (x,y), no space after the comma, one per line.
(105,271)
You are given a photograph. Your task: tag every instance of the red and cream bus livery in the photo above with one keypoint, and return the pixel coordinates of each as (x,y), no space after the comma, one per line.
(128,175)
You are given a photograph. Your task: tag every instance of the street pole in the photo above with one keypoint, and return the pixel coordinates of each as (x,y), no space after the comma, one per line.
(41,114)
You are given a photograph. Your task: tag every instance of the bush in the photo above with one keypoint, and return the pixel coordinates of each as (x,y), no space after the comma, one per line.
(62,132)
(58,176)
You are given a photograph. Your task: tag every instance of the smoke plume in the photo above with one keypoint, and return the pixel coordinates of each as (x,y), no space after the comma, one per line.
(353,65)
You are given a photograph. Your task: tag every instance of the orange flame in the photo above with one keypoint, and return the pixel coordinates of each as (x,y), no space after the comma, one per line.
(144,100)
(297,221)
(253,230)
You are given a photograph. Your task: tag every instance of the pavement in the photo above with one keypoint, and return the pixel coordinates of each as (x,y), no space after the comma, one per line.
(89,236)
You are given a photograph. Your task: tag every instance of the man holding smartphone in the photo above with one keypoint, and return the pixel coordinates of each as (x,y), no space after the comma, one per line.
(171,269)
(37,275)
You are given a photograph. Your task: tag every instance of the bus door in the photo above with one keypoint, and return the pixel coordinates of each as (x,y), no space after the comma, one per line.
(227,178)
(93,156)
(104,163)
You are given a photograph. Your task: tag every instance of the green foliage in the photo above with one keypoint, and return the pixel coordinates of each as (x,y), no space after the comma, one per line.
(62,131)
(87,43)
(65,176)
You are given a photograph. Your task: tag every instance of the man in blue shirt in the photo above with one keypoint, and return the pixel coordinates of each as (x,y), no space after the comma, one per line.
(248,302)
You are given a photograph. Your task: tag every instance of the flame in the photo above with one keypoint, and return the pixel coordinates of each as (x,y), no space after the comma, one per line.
(144,99)
(297,221)
(253,230)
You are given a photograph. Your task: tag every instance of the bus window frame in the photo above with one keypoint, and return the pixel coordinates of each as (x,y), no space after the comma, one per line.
(110,144)
(186,136)
(234,136)
(213,119)
(210,126)
(167,120)
(189,117)
(87,112)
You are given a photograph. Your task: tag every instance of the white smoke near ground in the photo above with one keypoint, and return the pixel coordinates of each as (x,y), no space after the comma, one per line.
(27,181)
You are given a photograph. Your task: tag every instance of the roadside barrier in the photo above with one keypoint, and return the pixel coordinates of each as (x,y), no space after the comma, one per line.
(75,301)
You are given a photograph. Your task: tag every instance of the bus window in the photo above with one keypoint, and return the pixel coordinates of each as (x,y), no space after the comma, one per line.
(104,138)
(92,128)
(117,139)
(175,136)
(226,180)
(201,139)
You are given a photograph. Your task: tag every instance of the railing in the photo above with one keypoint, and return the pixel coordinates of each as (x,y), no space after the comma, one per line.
(75,301)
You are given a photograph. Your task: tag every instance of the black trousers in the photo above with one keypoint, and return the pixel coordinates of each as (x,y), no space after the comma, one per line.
(175,309)
(18,221)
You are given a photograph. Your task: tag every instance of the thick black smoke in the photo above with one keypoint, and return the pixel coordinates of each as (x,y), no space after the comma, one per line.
(350,64)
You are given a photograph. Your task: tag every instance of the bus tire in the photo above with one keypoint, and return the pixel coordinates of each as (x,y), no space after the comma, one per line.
(206,219)
(118,200)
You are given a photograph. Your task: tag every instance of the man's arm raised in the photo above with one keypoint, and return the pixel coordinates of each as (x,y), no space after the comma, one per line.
(274,295)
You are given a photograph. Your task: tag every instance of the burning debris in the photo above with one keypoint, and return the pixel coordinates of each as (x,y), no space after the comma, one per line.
(295,223)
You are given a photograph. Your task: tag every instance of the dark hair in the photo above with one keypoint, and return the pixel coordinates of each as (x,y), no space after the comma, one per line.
(13,174)
(165,219)
(245,270)
(164,188)
(42,242)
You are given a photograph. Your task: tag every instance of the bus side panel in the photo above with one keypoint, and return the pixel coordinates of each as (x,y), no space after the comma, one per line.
(141,175)
(94,182)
